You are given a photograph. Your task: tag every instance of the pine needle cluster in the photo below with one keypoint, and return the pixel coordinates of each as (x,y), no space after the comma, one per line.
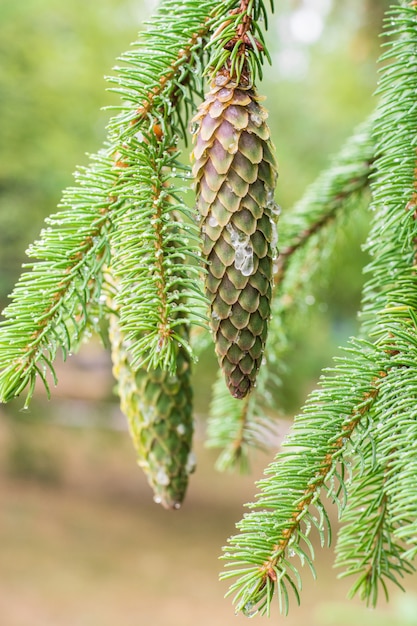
(126,249)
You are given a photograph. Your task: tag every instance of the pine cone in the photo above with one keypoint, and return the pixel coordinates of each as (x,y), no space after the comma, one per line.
(158,406)
(235,172)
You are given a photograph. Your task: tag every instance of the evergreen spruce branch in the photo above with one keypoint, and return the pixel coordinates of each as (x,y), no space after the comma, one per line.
(336,188)
(278,527)
(237,41)
(239,426)
(378,539)
(52,301)
(390,318)
(170,79)
(154,234)
(332,414)
(59,323)
(394,189)
(313,459)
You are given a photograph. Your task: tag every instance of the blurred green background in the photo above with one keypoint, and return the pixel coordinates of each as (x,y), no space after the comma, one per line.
(81,541)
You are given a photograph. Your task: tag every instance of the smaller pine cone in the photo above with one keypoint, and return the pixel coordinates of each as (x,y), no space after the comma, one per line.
(158,406)
(235,173)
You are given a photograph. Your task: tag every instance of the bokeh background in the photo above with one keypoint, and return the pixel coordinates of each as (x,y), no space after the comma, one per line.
(81,541)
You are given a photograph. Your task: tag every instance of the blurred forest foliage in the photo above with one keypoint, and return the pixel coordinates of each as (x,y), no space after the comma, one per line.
(53,59)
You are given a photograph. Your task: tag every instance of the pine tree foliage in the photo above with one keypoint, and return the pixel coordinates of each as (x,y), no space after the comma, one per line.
(307,232)
(125,248)
(157,91)
(237,427)
(53,298)
(330,199)
(357,411)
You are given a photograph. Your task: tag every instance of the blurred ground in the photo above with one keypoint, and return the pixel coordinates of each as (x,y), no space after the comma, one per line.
(91,548)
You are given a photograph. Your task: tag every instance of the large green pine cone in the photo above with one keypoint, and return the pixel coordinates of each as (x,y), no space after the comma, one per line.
(158,406)
(236,172)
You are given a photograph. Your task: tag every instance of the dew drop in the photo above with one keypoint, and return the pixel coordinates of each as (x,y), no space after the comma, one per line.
(212,221)
(147,413)
(276,210)
(274,238)
(162,477)
(270,198)
(249,610)
(191,463)
(256,119)
(194,127)
(221,80)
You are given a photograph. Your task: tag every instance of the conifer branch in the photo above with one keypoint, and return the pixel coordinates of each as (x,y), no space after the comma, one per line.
(238,41)
(347,398)
(70,258)
(155,284)
(390,313)
(287,505)
(238,426)
(154,235)
(128,215)
(52,302)
(158,69)
(335,190)
(371,544)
